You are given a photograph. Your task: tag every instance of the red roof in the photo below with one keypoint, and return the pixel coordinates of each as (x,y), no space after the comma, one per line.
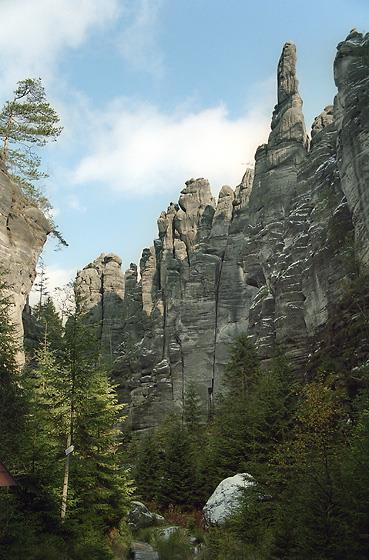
(6,478)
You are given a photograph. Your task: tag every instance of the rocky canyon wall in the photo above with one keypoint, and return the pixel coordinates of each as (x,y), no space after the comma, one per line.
(269,258)
(23,233)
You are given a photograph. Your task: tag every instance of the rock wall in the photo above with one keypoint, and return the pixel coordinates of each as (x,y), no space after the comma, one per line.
(23,232)
(270,257)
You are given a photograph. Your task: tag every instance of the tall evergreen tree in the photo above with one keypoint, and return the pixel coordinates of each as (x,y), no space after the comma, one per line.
(178,482)
(148,466)
(98,486)
(192,410)
(46,388)
(354,486)
(51,326)
(11,398)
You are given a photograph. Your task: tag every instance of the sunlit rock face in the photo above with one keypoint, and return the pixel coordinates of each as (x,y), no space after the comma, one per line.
(269,257)
(23,232)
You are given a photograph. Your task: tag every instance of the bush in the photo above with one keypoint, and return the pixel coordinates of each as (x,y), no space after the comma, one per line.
(176,547)
(222,544)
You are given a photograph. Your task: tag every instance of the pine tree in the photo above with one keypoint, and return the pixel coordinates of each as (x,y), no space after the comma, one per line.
(307,513)
(354,494)
(228,450)
(24,510)
(29,122)
(99,481)
(242,368)
(148,466)
(178,482)
(46,389)
(40,286)
(26,122)
(11,397)
(192,411)
(98,485)
(51,326)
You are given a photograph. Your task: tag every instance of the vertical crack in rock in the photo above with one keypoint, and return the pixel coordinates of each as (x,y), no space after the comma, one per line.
(270,259)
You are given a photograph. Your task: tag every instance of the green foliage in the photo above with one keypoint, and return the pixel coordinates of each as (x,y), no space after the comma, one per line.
(28,122)
(11,397)
(306,445)
(242,368)
(250,422)
(192,411)
(224,544)
(99,487)
(178,483)
(354,489)
(147,467)
(175,547)
(46,387)
(66,395)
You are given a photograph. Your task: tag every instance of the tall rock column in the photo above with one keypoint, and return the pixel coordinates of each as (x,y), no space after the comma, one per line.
(351,72)
(276,170)
(23,233)
(100,292)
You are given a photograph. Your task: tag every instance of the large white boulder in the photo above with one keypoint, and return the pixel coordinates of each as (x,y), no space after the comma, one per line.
(226,498)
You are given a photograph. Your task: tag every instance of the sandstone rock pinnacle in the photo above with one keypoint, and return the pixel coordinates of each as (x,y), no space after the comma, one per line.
(269,259)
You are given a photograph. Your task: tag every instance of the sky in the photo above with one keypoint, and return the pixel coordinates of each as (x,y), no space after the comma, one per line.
(154,92)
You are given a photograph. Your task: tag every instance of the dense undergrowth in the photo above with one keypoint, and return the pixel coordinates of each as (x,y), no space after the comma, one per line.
(305,442)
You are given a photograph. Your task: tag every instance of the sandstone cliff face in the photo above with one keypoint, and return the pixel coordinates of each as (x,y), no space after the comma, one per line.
(269,258)
(23,232)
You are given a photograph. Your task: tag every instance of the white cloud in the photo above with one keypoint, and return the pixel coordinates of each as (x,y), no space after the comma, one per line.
(140,149)
(34,33)
(56,277)
(138,41)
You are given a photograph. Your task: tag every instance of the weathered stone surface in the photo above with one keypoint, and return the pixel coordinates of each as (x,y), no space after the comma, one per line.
(100,292)
(226,498)
(352,116)
(140,517)
(143,551)
(270,258)
(23,232)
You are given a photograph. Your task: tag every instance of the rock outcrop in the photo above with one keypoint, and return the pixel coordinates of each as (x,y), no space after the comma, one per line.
(23,232)
(100,289)
(270,257)
(140,517)
(225,500)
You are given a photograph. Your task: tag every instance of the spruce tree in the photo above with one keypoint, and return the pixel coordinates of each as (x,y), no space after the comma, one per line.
(99,481)
(228,450)
(51,326)
(98,487)
(178,482)
(11,398)
(354,486)
(192,410)
(148,467)
(46,389)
